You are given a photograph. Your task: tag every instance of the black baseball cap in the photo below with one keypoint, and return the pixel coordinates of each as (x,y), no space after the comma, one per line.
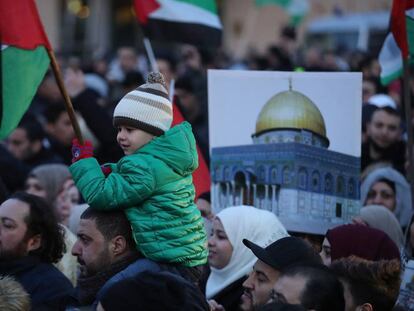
(285,252)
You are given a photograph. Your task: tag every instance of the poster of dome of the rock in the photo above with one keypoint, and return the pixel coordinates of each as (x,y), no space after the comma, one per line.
(287,142)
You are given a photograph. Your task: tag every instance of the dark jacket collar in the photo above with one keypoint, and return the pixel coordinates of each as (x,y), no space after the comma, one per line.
(18,266)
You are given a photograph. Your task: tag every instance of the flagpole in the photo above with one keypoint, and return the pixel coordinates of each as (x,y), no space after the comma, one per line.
(171,91)
(408,117)
(68,102)
(150,53)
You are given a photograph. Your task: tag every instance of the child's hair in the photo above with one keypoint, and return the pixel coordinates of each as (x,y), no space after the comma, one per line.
(374,282)
(148,107)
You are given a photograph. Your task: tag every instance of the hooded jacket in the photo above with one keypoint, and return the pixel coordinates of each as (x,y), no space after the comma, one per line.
(155,188)
(403,209)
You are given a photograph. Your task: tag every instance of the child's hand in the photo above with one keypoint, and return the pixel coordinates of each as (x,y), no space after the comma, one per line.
(106,170)
(81,151)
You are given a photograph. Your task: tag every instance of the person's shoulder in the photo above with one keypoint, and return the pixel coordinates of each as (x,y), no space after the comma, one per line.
(53,275)
(46,283)
(52,270)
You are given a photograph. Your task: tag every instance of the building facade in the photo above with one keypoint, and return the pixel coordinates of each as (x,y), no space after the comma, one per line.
(288,169)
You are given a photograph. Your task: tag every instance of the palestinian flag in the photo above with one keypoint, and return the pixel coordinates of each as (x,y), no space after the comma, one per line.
(186,21)
(201,176)
(399,43)
(24,60)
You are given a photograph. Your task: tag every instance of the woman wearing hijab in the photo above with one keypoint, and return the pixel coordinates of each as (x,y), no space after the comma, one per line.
(230,261)
(385,186)
(381,218)
(361,241)
(54,183)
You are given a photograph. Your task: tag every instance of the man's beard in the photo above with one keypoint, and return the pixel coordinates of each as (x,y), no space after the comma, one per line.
(18,252)
(381,150)
(100,264)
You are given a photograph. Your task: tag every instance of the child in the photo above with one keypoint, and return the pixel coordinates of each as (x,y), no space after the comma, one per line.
(153,181)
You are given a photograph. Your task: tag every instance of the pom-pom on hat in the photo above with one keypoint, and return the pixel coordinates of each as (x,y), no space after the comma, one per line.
(148,107)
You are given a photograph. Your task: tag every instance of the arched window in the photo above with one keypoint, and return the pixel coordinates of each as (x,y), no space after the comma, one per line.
(287,176)
(273,174)
(328,183)
(316,181)
(261,172)
(340,185)
(303,178)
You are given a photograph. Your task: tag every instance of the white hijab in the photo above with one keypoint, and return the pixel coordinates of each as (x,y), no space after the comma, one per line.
(240,222)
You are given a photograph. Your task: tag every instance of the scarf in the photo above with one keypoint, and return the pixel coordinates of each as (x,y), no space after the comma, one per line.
(239,222)
(403,209)
(51,177)
(88,287)
(380,217)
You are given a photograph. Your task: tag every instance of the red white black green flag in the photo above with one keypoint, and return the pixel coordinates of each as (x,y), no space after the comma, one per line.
(399,44)
(24,59)
(187,21)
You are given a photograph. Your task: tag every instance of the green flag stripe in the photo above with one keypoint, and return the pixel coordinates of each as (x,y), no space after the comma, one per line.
(209,5)
(22,72)
(385,80)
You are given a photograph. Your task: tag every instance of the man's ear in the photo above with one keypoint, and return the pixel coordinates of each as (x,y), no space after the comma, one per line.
(118,245)
(34,243)
(365,307)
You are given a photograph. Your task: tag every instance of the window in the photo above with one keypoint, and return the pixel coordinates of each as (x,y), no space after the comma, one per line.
(340,185)
(316,181)
(338,211)
(303,178)
(351,187)
(273,174)
(287,178)
(328,183)
(261,172)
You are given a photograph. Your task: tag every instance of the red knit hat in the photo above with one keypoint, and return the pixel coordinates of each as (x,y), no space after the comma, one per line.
(362,241)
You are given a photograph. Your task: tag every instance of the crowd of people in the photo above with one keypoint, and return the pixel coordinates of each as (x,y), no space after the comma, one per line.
(112,222)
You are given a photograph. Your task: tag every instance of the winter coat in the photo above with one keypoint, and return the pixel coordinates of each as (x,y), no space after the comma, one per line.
(155,188)
(139,266)
(48,288)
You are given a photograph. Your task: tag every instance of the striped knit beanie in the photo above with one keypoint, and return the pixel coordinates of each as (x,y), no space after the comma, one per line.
(147,108)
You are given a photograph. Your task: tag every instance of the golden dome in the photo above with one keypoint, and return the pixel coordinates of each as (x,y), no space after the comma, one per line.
(290,109)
